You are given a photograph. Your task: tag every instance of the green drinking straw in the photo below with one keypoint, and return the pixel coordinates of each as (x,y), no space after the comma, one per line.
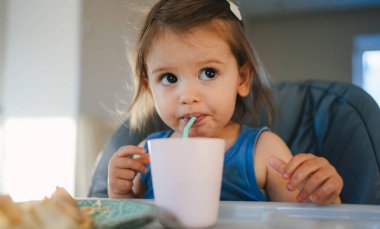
(188,126)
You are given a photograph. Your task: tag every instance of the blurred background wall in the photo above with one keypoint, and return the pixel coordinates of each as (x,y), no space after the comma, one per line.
(40,79)
(3,9)
(314,45)
(295,45)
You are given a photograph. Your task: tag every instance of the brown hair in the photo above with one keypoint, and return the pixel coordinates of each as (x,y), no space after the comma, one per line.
(180,16)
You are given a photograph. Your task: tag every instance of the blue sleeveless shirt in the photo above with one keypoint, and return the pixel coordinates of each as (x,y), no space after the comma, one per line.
(239,180)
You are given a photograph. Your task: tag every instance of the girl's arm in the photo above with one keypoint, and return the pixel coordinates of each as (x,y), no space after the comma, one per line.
(271,181)
(308,177)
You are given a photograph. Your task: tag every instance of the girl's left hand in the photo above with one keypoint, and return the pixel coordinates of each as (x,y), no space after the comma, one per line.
(316,179)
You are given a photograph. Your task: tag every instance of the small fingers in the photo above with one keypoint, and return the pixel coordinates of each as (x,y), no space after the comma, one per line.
(322,186)
(287,169)
(123,158)
(120,187)
(124,174)
(295,162)
(143,159)
(128,163)
(328,192)
(311,169)
(311,184)
(130,150)
(277,164)
(331,199)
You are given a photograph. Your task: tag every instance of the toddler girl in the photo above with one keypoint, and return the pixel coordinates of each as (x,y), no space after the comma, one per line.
(194,59)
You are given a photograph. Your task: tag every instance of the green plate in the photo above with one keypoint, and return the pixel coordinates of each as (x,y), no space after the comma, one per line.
(113,214)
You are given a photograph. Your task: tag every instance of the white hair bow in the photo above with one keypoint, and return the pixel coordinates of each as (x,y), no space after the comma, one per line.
(235,9)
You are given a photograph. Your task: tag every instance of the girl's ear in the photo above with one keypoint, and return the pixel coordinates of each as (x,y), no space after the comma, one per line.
(146,86)
(245,80)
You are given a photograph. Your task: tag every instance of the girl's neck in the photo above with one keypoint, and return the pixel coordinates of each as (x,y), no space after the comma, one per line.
(231,133)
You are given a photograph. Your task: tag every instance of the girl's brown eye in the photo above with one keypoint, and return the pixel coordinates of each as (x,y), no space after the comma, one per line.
(168,79)
(207,74)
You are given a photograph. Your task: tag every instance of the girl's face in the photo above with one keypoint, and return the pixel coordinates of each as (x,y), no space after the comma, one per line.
(195,74)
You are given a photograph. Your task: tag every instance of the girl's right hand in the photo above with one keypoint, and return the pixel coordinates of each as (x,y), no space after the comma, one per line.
(122,170)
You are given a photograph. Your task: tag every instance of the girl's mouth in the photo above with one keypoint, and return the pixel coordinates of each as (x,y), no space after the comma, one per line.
(187,118)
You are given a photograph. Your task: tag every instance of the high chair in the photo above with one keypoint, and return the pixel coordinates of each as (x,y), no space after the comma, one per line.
(335,120)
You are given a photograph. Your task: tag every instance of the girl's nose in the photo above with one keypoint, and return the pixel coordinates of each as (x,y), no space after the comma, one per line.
(188,94)
(188,100)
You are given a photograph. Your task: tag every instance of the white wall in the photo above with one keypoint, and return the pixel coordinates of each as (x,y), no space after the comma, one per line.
(3,7)
(2,57)
(42,58)
(314,46)
(68,58)
(40,96)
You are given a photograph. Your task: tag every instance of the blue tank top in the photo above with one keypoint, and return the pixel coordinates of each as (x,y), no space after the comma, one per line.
(239,180)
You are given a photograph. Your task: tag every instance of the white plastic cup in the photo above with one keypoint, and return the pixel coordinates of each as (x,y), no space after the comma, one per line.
(187,179)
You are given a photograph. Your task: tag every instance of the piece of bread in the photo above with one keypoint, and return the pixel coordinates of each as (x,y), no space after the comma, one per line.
(59,211)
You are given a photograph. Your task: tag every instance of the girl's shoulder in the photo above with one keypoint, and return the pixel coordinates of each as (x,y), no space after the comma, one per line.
(270,144)
(249,133)
(246,130)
